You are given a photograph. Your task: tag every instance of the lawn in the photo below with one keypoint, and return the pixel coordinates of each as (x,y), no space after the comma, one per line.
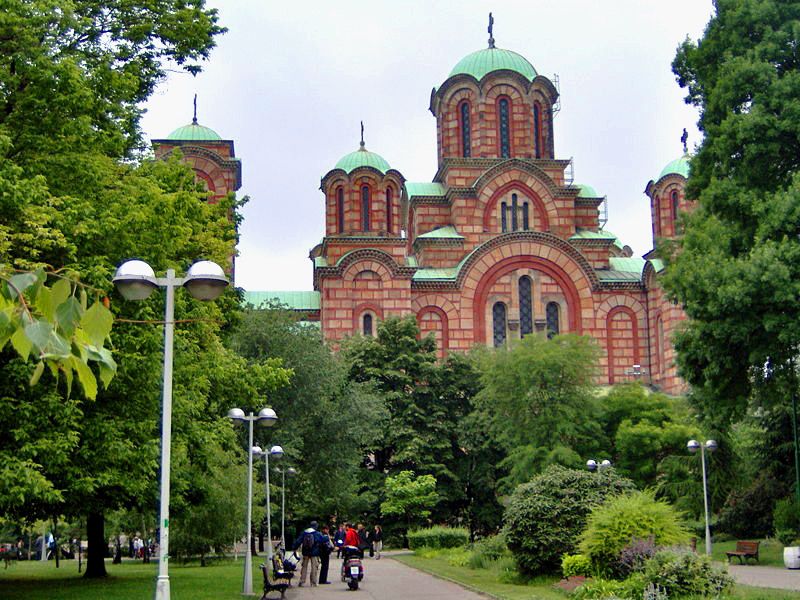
(33,580)
(770,552)
(501,585)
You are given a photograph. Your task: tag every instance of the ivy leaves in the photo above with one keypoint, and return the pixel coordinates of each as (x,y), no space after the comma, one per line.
(56,326)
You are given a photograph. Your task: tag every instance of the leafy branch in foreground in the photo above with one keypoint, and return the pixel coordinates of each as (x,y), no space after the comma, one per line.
(56,326)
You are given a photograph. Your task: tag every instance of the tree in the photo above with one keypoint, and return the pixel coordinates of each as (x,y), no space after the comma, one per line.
(409,496)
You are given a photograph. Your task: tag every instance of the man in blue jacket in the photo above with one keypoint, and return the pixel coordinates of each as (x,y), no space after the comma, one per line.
(310,542)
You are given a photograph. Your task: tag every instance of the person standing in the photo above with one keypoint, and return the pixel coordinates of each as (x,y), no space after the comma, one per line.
(377,541)
(310,541)
(325,555)
(363,538)
(338,540)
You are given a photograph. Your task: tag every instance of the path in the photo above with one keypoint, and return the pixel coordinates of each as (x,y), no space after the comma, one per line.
(385,579)
(768,577)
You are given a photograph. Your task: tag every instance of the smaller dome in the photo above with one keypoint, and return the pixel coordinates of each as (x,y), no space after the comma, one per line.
(194,132)
(362,158)
(480,63)
(587,191)
(679,166)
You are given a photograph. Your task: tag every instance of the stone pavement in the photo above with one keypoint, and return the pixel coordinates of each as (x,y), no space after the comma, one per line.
(384,579)
(768,577)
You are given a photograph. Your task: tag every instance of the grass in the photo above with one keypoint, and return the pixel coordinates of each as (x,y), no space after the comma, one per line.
(770,552)
(33,580)
(496,581)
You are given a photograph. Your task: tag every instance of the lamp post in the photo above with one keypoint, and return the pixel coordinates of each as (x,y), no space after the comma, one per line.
(593,465)
(267,418)
(136,280)
(276,452)
(710,445)
(290,471)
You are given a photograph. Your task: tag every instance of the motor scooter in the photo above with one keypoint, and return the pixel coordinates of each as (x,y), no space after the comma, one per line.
(352,567)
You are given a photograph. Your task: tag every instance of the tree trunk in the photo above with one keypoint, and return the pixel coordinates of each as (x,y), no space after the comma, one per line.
(96,537)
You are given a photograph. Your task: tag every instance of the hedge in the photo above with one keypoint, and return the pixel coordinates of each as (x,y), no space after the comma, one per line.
(438,537)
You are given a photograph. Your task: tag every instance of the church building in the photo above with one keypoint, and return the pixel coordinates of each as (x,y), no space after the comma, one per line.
(499,245)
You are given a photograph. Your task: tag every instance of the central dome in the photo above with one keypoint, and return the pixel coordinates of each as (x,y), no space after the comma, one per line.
(362,158)
(480,63)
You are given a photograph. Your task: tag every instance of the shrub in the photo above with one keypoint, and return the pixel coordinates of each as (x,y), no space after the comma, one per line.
(786,520)
(545,517)
(438,537)
(634,556)
(684,573)
(575,564)
(487,550)
(748,512)
(596,589)
(612,526)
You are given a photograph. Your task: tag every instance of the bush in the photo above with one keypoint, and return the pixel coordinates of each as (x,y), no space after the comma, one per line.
(635,555)
(597,589)
(684,573)
(614,525)
(438,537)
(545,517)
(487,550)
(748,512)
(573,565)
(786,520)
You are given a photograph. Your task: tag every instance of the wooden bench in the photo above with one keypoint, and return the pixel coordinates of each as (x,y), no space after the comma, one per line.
(279,571)
(744,550)
(272,586)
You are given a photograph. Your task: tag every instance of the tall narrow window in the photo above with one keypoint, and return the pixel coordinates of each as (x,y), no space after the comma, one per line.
(537,129)
(365,208)
(389,210)
(466,148)
(525,217)
(340,210)
(674,198)
(552,319)
(503,217)
(367,324)
(514,220)
(505,128)
(525,305)
(499,324)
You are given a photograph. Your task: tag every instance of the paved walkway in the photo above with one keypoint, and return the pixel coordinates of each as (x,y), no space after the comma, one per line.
(384,579)
(768,577)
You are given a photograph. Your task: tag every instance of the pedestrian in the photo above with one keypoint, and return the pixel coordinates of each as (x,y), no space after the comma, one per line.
(338,540)
(325,555)
(351,537)
(363,538)
(377,541)
(311,542)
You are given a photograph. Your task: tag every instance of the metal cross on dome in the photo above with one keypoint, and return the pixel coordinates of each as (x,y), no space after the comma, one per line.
(684,138)
(362,134)
(194,118)
(491,34)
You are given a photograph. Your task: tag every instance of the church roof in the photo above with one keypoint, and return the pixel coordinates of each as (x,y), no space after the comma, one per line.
(306,301)
(446,232)
(587,191)
(414,188)
(362,158)
(679,166)
(194,132)
(480,63)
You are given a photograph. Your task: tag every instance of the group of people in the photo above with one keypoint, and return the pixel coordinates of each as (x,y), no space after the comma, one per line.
(316,546)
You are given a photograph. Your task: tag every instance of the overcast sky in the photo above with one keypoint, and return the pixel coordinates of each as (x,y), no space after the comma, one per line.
(290,82)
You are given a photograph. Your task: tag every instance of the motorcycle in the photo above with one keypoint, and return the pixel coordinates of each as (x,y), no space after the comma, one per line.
(352,567)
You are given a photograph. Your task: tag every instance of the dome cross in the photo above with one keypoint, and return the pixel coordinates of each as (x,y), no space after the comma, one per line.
(491,31)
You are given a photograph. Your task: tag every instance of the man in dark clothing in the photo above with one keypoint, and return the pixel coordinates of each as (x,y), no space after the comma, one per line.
(364,542)
(324,555)
(311,541)
(338,540)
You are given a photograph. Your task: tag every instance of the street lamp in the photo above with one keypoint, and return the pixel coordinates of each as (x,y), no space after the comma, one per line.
(710,445)
(275,452)
(136,280)
(266,417)
(290,471)
(593,466)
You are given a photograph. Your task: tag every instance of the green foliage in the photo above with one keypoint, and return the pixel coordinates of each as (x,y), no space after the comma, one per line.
(488,550)
(409,496)
(685,573)
(576,564)
(438,537)
(545,517)
(598,588)
(614,524)
(536,392)
(748,511)
(786,520)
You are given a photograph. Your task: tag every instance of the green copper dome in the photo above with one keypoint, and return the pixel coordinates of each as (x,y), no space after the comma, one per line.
(195,133)
(362,158)
(679,166)
(587,191)
(479,63)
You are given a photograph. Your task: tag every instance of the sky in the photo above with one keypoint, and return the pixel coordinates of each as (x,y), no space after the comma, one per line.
(290,82)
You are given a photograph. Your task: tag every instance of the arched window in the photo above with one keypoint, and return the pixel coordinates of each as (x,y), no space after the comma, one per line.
(514,212)
(503,109)
(552,311)
(466,148)
(525,217)
(674,198)
(537,129)
(389,210)
(365,202)
(340,210)
(367,324)
(499,324)
(504,217)
(525,305)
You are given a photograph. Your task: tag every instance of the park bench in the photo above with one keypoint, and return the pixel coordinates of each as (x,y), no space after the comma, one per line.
(273,586)
(279,570)
(744,550)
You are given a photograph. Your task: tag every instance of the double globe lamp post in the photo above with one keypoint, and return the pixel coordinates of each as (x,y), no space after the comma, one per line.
(275,452)
(136,280)
(710,445)
(266,417)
